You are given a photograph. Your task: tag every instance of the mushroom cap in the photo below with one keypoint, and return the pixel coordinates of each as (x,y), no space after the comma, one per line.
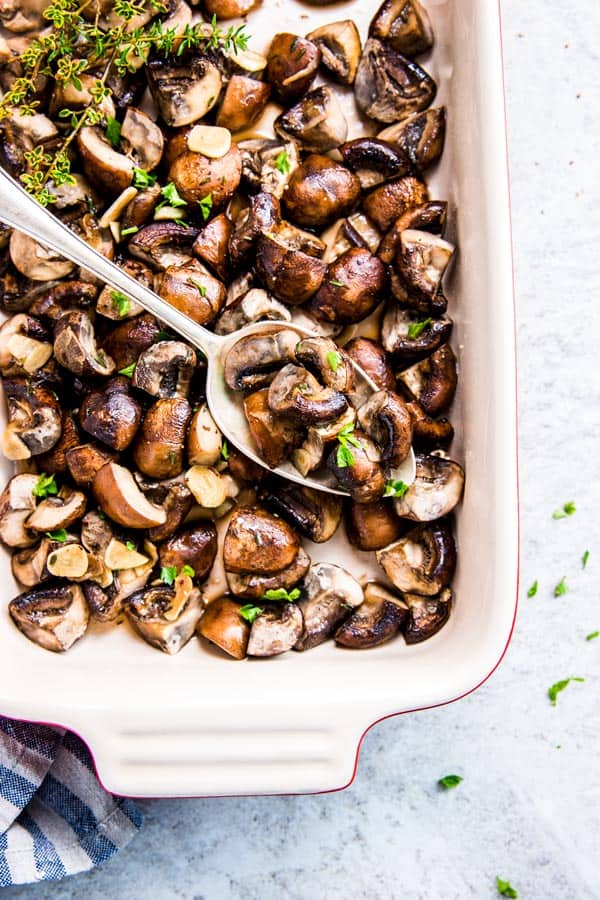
(289,273)
(58,512)
(253,361)
(427,615)
(159,447)
(274,436)
(103,165)
(196,176)
(316,121)
(432,382)
(297,395)
(312,513)
(387,420)
(436,491)
(35,261)
(111,414)
(364,479)
(403,24)
(422,561)
(292,64)
(75,346)
(386,203)
(184,88)
(165,370)
(195,546)
(34,417)
(373,526)
(258,542)
(320,191)
(223,626)
(328,362)
(155,615)
(376,621)
(16,505)
(54,617)
(372,359)
(120,498)
(340,46)
(329,592)
(275,631)
(389,86)
(352,288)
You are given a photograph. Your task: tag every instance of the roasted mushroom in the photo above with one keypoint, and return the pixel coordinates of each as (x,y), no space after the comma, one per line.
(85,460)
(34,419)
(165,370)
(263,215)
(372,526)
(297,395)
(285,268)
(103,165)
(437,489)
(275,631)
(432,382)
(292,64)
(274,436)
(329,363)
(143,138)
(429,434)
(378,619)
(166,617)
(389,86)
(429,217)
(426,615)
(253,362)
(75,346)
(314,514)
(329,594)
(422,561)
(198,177)
(57,512)
(408,337)
(404,25)
(212,244)
(363,477)
(195,547)
(176,500)
(340,46)
(352,288)
(223,626)
(185,90)
(163,244)
(422,260)
(120,498)
(374,161)
(316,121)
(419,136)
(320,191)
(255,306)
(243,102)
(55,459)
(24,345)
(17,502)
(229,9)
(386,419)
(54,616)
(204,440)
(111,415)
(159,447)
(193,290)
(268,165)
(371,358)
(387,203)
(128,340)
(37,262)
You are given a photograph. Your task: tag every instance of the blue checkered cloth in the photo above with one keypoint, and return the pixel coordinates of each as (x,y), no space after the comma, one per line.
(55,818)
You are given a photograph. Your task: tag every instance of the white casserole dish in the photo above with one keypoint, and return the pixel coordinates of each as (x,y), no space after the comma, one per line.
(200,724)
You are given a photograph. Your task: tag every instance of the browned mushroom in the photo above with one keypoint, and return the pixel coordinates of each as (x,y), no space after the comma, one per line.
(319,191)
(114,305)
(143,138)
(229,9)
(166,617)
(374,161)
(223,626)
(111,414)
(340,46)
(129,339)
(204,440)
(422,561)
(244,470)
(314,514)
(386,419)
(263,215)
(420,136)
(54,617)
(352,288)
(193,290)
(286,270)
(316,121)
(432,382)
(195,546)
(292,64)
(243,102)
(404,25)
(258,542)
(24,345)
(389,86)
(255,306)
(363,477)
(60,511)
(198,178)
(34,419)
(275,631)
(120,498)
(17,502)
(75,346)
(103,165)
(175,499)
(426,616)
(85,460)
(329,593)
(297,395)
(212,245)
(159,448)
(408,337)
(163,244)
(274,436)
(268,165)
(52,301)
(371,357)
(184,88)
(372,526)
(429,434)
(55,460)
(429,217)
(437,489)
(422,260)
(254,361)
(328,362)
(37,262)
(388,202)
(165,370)
(376,621)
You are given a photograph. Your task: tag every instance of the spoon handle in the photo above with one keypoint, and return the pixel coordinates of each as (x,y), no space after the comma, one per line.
(21,211)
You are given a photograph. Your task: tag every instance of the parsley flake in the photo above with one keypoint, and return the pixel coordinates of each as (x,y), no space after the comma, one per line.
(584,559)
(568,509)
(417,328)
(559,686)
(130,546)
(335,283)
(143,179)
(533,589)
(113,131)
(345,457)
(206,205)
(128,370)
(172,197)
(282,594)
(334,360)
(250,613)
(561,588)
(187,570)
(120,302)
(168,574)
(45,486)
(450,781)
(201,288)
(125,232)
(593,635)
(59,535)
(282,163)
(225,451)
(505,889)
(396,488)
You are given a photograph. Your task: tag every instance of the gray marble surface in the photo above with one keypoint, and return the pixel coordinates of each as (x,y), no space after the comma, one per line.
(528,808)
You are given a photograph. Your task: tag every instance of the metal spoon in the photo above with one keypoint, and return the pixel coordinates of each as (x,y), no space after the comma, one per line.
(20,210)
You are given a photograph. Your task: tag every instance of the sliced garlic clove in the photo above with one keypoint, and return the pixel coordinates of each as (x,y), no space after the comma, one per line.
(70,561)
(120,556)
(209,140)
(207,485)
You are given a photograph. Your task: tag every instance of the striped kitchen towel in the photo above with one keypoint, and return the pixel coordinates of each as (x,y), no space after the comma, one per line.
(55,818)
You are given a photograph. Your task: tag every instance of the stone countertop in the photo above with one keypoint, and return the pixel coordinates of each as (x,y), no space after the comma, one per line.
(528,809)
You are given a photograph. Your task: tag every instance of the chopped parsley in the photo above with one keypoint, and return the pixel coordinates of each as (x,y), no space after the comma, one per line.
(334,360)
(206,205)
(450,781)
(555,690)
(172,197)
(593,635)
(345,457)
(417,328)
(396,488)
(45,486)
(282,594)
(187,570)
(125,232)
(335,283)
(130,546)
(128,370)
(60,535)
(113,131)
(120,302)
(250,612)
(584,559)
(201,288)
(172,457)
(225,451)
(568,509)
(282,163)
(561,588)
(168,574)
(164,336)
(143,179)
(533,589)
(505,889)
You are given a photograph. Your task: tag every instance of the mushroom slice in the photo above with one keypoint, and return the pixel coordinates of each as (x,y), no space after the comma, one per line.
(331,365)
(359,470)
(317,121)
(163,244)
(35,421)
(372,526)
(312,513)
(292,64)
(328,594)
(404,25)
(288,272)
(254,360)
(143,138)
(275,631)
(176,500)
(75,346)
(184,90)
(223,625)
(396,328)
(259,542)
(165,370)
(386,419)
(340,46)
(24,346)
(204,440)
(268,165)
(427,615)
(120,498)
(255,306)
(58,512)
(371,357)
(96,533)
(212,245)
(274,436)
(432,382)
(54,616)
(85,460)
(28,566)
(420,136)
(104,603)
(376,621)
(389,86)
(436,490)
(17,502)
(159,447)
(422,261)
(195,546)
(374,161)
(159,617)
(103,165)
(422,561)
(112,414)
(35,261)
(297,395)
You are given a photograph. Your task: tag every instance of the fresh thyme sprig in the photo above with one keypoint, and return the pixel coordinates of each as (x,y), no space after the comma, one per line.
(76,47)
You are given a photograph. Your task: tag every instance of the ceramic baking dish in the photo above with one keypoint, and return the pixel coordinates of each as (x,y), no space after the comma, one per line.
(199,724)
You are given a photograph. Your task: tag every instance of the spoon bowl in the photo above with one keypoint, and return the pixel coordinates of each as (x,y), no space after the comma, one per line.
(21,211)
